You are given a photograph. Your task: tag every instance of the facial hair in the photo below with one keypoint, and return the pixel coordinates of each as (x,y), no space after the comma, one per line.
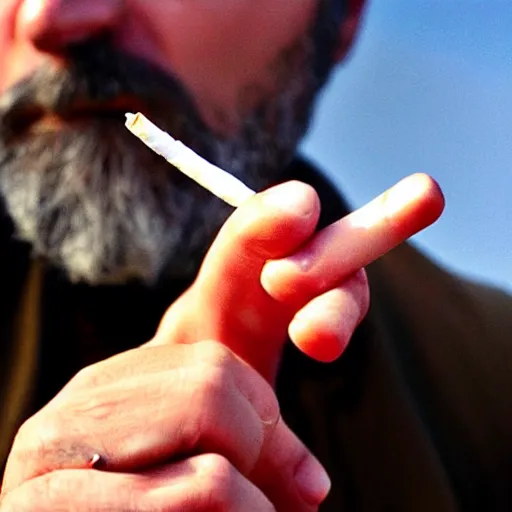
(95,202)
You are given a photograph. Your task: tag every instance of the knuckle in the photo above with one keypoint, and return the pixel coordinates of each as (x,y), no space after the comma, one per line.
(213,353)
(222,375)
(263,398)
(214,389)
(35,450)
(208,388)
(218,481)
(51,430)
(214,468)
(268,396)
(87,377)
(46,442)
(208,393)
(38,436)
(214,371)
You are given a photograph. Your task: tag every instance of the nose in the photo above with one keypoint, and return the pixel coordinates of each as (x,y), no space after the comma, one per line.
(51,25)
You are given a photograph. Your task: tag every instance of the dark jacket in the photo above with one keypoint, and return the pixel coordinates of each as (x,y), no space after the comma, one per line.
(416,415)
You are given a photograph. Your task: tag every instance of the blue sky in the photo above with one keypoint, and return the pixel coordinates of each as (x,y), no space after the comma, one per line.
(428,88)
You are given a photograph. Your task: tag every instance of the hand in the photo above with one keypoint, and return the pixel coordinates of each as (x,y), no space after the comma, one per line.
(178,427)
(267,275)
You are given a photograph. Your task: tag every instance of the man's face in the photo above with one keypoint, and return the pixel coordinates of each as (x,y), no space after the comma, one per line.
(233,79)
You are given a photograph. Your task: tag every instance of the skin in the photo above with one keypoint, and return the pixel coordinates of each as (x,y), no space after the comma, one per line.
(228,449)
(182,37)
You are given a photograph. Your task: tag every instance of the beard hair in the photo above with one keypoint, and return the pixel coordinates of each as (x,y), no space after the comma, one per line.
(103,208)
(94,202)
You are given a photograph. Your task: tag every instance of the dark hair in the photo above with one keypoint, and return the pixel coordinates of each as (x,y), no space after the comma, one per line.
(330,15)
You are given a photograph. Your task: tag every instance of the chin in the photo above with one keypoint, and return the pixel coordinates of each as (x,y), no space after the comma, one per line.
(94,202)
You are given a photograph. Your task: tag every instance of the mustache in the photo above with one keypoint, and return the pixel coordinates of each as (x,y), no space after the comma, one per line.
(99,79)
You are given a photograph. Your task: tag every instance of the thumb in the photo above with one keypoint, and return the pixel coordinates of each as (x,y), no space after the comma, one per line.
(227,302)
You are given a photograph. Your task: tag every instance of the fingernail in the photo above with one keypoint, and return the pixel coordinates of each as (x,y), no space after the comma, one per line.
(291,196)
(313,482)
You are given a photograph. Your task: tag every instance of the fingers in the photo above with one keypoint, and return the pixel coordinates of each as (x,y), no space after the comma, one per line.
(353,242)
(247,302)
(324,326)
(205,482)
(270,225)
(227,302)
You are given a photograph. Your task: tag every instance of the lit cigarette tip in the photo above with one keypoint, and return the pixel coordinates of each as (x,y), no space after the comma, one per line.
(217,181)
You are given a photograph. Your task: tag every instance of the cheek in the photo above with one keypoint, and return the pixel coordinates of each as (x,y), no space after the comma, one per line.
(219,48)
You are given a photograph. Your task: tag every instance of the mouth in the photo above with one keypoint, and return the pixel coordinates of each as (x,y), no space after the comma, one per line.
(29,119)
(50,122)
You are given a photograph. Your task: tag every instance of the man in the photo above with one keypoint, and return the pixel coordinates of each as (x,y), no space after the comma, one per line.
(100,238)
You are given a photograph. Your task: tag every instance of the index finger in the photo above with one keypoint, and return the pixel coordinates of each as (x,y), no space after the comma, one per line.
(354,241)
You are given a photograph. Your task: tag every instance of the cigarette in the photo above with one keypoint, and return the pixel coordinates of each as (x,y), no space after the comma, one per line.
(212,178)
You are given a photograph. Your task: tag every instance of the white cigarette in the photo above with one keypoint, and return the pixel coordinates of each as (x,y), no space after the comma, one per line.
(211,177)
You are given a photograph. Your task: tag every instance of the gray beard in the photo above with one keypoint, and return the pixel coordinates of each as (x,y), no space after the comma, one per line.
(95,202)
